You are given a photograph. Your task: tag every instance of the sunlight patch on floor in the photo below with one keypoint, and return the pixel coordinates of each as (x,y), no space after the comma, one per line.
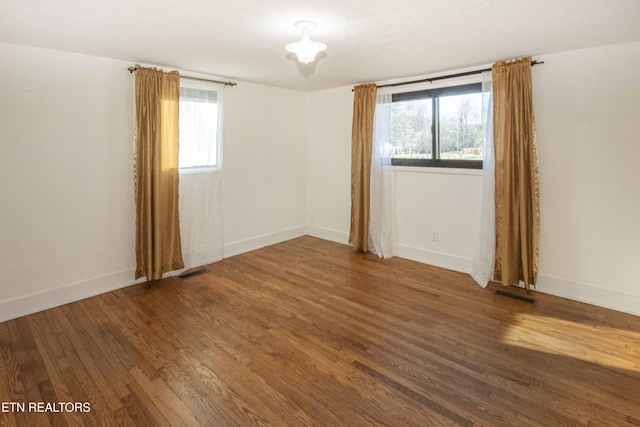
(602,345)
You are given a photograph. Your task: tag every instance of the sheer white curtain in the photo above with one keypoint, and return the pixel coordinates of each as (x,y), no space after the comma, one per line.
(485,247)
(382,210)
(200,192)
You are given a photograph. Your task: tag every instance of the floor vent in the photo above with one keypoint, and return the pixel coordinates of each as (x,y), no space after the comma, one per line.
(191,273)
(518,297)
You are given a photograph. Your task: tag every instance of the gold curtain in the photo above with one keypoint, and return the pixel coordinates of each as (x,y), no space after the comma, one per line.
(156,173)
(516,174)
(364,104)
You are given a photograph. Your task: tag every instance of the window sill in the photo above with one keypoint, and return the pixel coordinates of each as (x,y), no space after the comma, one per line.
(198,169)
(446,171)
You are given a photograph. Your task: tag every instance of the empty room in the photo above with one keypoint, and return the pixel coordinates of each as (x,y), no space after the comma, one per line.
(329,213)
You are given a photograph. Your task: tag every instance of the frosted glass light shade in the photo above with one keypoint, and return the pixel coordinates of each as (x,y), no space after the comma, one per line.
(306,49)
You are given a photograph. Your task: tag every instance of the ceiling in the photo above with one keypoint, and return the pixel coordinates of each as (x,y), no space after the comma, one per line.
(368,40)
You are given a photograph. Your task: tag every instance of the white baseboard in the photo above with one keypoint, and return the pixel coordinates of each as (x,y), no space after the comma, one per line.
(43,300)
(590,294)
(439,259)
(242,246)
(32,303)
(328,234)
(607,298)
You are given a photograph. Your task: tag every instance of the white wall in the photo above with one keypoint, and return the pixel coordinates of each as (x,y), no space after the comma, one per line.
(328,138)
(587,105)
(443,200)
(264,181)
(67,216)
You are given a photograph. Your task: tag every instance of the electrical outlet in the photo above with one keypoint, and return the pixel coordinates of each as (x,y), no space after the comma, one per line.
(434,235)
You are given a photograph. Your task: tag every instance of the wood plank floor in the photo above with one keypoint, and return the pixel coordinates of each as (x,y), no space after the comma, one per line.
(307,333)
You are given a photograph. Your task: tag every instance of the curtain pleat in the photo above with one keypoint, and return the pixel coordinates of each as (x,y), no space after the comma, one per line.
(156,173)
(516,174)
(364,104)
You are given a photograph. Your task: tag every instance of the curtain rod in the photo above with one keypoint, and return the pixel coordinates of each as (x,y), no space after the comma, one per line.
(450,76)
(132,69)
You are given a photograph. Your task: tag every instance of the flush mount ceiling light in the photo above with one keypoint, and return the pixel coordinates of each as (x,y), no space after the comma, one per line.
(306,49)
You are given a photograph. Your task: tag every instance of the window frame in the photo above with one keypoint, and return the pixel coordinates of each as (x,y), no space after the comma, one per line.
(434,95)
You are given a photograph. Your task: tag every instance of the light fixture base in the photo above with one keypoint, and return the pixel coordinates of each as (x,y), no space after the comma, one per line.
(305,25)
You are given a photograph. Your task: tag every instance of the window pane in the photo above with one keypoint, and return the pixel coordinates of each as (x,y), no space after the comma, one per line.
(411,129)
(198,128)
(461,132)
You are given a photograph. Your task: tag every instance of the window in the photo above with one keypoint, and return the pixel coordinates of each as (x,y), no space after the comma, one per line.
(199,130)
(438,127)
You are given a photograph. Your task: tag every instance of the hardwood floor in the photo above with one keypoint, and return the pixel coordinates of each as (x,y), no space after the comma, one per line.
(308,333)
